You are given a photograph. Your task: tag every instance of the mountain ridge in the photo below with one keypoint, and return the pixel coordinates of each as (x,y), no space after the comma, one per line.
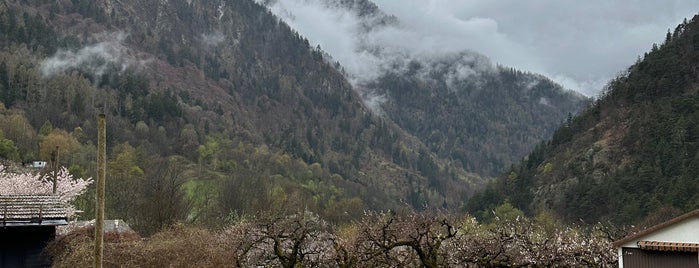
(253,82)
(629,157)
(218,107)
(453,95)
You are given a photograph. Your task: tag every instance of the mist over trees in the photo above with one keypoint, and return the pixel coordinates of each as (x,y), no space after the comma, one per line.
(240,116)
(483,117)
(217,112)
(461,105)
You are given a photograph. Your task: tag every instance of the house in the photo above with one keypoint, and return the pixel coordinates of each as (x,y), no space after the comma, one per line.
(37,164)
(673,243)
(28,222)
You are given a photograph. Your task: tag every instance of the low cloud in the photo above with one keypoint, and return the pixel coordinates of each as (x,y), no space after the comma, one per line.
(364,47)
(580,44)
(212,39)
(96,59)
(370,44)
(336,30)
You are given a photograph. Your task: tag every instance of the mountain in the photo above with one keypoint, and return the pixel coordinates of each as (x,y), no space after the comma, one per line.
(217,109)
(630,157)
(217,105)
(465,108)
(484,117)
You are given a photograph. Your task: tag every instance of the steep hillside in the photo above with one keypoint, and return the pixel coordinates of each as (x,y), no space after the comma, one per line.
(218,108)
(632,155)
(216,105)
(482,116)
(461,105)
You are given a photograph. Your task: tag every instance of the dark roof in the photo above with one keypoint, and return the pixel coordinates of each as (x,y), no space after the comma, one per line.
(25,210)
(655,228)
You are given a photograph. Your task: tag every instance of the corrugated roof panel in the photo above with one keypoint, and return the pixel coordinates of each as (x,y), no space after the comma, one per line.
(668,246)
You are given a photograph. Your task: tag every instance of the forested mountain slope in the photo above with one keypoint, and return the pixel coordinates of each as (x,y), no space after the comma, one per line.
(215,109)
(464,107)
(484,117)
(632,155)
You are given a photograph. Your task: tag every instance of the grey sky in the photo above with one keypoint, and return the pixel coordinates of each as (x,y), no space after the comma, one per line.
(580,44)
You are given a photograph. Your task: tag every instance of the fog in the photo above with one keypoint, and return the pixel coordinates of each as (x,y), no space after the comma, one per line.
(579,44)
(106,52)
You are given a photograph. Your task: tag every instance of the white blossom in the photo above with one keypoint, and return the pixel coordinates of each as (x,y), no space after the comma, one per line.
(67,188)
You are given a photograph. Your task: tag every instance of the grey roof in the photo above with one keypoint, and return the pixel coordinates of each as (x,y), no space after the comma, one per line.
(27,210)
(110,226)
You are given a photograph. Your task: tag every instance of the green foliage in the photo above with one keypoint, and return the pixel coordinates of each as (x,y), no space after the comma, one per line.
(630,154)
(160,106)
(8,150)
(264,180)
(126,179)
(26,28)
(548,167)
(506,212)
(258,116)
(486,123)
(89,9)
(46,128)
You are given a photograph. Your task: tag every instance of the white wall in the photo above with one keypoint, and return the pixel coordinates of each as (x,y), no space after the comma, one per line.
(686,231)
(620,253)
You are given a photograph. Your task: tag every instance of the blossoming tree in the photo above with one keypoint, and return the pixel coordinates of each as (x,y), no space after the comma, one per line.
(68,188)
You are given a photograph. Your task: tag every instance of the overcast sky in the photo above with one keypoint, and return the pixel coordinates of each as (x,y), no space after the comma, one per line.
(579,44)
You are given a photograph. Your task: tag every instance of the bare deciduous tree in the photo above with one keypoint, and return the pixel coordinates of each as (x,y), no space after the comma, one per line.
(410,238)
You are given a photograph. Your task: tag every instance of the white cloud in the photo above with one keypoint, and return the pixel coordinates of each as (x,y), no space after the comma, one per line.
(95,59)
(212,39)
(585,43)
(336,31)
(580,44)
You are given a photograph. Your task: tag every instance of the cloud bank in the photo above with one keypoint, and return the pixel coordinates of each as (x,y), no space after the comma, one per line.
(95,59)
(212,39)
(363,46)
(580,44)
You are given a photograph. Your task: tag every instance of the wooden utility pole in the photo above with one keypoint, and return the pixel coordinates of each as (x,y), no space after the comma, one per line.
(101,176)
(55,170)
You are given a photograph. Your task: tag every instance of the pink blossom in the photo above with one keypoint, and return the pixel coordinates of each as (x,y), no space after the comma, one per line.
(68,188)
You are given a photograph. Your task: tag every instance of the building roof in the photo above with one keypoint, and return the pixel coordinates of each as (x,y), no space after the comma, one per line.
(110,226)
(29,210)
(668,246)
(656,228)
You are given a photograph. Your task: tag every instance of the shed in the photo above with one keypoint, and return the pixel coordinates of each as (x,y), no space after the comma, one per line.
(28,223)
(115,230)
(673,243)
(37,164)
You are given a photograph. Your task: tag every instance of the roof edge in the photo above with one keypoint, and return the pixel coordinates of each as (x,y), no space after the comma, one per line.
(656,227)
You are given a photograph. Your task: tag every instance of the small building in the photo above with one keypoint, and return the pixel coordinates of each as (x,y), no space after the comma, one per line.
(37,164)
(28,224)
(115,230)
(673,243)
